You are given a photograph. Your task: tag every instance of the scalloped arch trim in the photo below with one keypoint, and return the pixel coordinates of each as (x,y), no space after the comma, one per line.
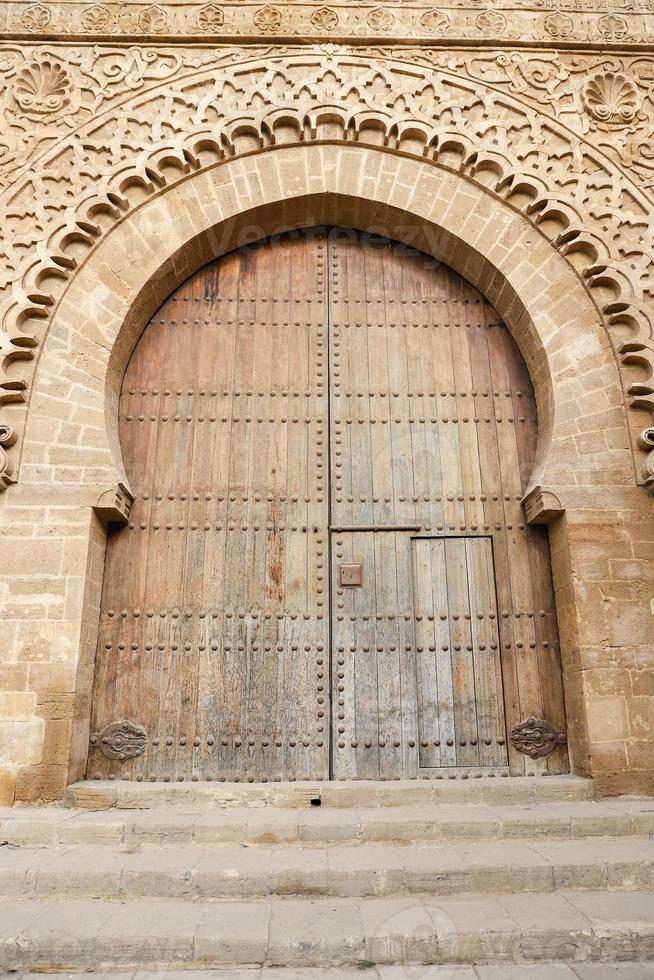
(439,122)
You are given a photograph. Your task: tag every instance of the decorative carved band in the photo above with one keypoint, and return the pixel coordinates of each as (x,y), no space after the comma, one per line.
(429,113)
(466,21)
(536,737)
(7,439)
(121,740)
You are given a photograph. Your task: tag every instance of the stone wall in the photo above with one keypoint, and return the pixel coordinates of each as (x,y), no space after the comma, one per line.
(139,140)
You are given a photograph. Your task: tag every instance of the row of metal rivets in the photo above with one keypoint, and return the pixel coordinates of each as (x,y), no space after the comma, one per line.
(433,301)
(212,613)
(142,526)
(505,614)
(214,645)
(292,778)
(227,394)
(226,418)
(411,743)
(398,421)
(416,324)
(282,497)
(429,394)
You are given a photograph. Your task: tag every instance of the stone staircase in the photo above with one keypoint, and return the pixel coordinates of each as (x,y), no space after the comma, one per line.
(465,879)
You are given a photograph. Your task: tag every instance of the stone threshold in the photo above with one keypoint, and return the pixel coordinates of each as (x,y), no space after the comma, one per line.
(105,794)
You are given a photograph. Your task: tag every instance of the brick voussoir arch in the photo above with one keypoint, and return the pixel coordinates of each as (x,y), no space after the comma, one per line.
(614,288)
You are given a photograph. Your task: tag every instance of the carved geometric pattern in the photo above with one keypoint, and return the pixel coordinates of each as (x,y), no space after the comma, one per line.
(536,737)
(576,192)
(121,740)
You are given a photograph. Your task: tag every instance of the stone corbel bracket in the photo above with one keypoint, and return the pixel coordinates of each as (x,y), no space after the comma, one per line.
(114,505)
(541,506)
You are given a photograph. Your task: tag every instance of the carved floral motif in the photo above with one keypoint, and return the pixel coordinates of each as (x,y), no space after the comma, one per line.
(613,28)
(95,18)
(268,19)
(43,86)
(324,19)
(491,23)
(435,21)
(559,25)
(36,17)
(611,97)
(210,18)
(536,737)
(121,740)
(153,20)
(380,19)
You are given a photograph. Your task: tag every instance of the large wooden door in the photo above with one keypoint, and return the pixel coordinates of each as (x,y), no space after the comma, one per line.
(215,616)
(327,568)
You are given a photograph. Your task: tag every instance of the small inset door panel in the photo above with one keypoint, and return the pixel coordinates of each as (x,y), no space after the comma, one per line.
(459,679)
(416,658)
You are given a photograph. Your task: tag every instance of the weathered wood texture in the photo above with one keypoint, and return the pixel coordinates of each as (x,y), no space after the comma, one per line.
(214,623)
(215,620)
(433,424)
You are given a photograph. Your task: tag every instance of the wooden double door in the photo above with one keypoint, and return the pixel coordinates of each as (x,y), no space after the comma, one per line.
(327,570)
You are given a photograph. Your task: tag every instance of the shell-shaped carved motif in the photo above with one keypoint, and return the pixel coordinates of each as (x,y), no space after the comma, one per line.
(36,17)
(613,28)
(611,97)
(95,18)
(536,737)
(210,18)
(324,19)
(153,20)
(43,86)
(491,23)
(268,19)
(435,21)
(559,24)
(120,740)
(380,19)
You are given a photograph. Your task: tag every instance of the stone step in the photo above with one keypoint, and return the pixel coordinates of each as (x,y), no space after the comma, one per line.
(42,826)
(340,871)
(595,926)
(104,794)
(643,970)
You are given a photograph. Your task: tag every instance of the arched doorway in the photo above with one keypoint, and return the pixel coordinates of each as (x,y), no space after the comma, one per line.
(327,569)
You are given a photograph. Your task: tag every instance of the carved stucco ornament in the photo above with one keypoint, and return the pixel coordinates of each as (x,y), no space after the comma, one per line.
(380,19)
(153,20)
(613,28)
(646,442)
(43,87)
(121,740)
(36,17)
(491,23)
(324,19)
(95,18)
(536,737)
(559,24)
(435,21)
(268,19)
(611,97)
(210,18)
(7,439)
